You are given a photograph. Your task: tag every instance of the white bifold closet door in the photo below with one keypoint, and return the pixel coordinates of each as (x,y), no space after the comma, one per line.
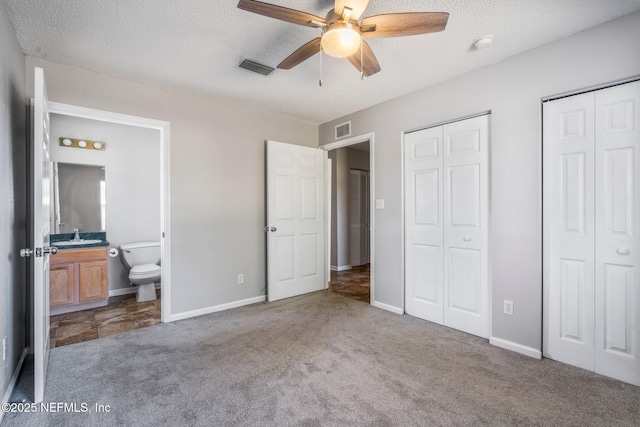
(591,231)
(446,177)
(358,217)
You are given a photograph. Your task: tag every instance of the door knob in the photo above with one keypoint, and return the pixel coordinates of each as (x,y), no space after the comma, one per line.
(268,229)
(50,250)
(623,251)
(273,229)
(26,253)
(466,238)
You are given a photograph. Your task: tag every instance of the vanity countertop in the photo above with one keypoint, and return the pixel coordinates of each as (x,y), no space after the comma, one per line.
(65,237)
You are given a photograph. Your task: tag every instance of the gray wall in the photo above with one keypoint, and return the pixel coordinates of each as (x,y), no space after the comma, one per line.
(217,178)
(13,199)
(512,90)
(132,173)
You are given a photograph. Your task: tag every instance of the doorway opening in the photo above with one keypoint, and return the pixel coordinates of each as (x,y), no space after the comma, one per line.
(351,218)
(133,194)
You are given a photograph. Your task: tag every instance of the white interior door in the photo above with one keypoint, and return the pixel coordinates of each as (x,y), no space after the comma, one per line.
(424,229)
(466,225)
(295,220)
(41,230)
(447,225)
(569,230)
(591,224)
(617,232)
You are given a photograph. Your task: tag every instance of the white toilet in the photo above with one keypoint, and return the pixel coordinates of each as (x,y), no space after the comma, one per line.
(143,258)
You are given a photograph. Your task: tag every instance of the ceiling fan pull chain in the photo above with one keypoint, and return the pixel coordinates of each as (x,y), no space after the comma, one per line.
(361,60)
(320,81)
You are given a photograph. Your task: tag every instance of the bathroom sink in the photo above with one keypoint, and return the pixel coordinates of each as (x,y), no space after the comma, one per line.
(75,243)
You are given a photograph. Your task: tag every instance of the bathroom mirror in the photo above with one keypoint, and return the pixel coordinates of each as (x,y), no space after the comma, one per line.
(79,197)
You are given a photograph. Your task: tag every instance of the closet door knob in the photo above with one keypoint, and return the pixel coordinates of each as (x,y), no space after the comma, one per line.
(623,251)
(466,239)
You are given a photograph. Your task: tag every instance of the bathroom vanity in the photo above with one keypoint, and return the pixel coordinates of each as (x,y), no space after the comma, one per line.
(78,277)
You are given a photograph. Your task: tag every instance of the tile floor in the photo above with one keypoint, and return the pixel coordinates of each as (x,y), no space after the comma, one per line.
(354,283)
(123,313)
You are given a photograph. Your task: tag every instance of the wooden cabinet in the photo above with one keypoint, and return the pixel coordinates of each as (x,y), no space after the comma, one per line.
(78,279)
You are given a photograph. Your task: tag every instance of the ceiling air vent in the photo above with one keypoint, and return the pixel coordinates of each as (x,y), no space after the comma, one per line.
(343,130)
(265,70)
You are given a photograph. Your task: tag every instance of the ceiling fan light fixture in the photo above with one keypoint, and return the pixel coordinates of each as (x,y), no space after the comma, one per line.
(342,39)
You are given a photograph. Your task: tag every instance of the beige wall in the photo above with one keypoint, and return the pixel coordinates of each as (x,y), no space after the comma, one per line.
(511,90)
(217,178)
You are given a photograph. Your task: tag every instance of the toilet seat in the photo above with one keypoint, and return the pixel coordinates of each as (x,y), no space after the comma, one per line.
(145,273)
(145,270)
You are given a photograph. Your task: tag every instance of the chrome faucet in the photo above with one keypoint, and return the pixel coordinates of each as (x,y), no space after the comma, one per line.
(76,237)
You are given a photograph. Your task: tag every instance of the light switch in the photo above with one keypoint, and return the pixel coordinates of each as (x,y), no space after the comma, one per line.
(379,203)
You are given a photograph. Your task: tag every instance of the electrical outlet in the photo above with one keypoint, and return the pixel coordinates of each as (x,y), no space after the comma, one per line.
(240,279)
(508,307)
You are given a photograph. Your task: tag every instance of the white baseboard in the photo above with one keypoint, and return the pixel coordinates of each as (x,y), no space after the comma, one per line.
(13,382)
(216,308)
(387,307)
(518,348)
(126,291)
(341,267)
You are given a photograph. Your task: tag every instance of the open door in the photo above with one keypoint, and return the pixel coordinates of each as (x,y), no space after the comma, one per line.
(295,220)
(40,249)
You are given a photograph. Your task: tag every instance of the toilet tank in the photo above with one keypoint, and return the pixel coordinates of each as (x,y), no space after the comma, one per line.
(140,253)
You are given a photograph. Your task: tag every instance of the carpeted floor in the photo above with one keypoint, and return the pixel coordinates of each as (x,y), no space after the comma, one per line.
(319,359)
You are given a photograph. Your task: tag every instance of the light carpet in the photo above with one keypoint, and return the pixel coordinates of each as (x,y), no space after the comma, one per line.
(320,359)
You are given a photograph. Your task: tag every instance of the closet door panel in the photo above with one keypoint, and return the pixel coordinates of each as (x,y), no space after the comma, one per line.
(568,230)
(423,224)
(617,282)
(466,223)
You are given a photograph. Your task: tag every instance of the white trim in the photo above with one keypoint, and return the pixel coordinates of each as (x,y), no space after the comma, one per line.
(341,267)
(165,194)
(216,308)
(127,291)
(518,348)
(13,381)
(372,193)
(387,307)
(403,290)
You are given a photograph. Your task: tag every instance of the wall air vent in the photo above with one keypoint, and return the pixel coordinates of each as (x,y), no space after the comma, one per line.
(256,68)
(343,129)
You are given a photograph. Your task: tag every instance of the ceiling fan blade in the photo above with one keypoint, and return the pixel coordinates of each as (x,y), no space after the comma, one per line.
(371,65)
(281,13)
(357,6)
(300,55)
(404,24)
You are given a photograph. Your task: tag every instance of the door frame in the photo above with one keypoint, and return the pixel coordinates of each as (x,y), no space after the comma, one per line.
(165,195)
(372,212)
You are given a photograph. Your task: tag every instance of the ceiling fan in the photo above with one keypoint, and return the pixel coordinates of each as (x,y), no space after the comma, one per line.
(343,31)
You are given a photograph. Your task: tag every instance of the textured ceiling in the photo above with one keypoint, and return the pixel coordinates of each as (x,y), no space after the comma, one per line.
(196,46)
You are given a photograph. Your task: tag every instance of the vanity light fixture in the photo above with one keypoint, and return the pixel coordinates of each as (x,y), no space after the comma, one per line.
(82,143)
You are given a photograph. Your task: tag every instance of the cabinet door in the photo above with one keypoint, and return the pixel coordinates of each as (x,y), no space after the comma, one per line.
(93,280)
(61,285)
